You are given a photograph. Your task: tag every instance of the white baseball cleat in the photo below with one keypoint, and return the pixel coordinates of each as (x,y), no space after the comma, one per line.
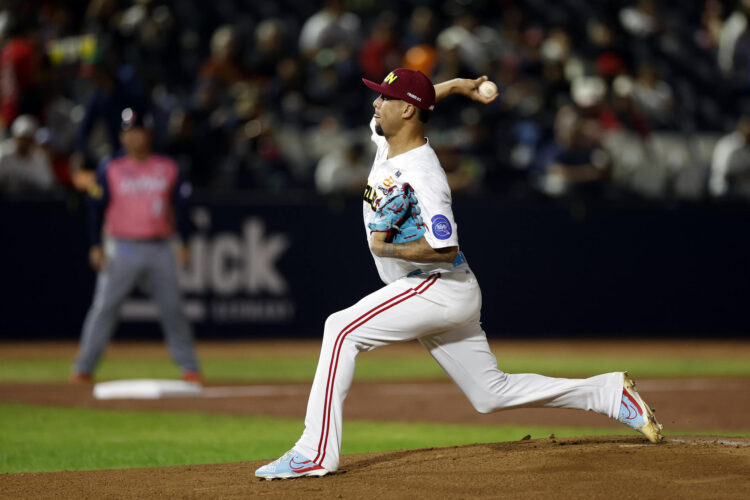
(291,464)
(635,413)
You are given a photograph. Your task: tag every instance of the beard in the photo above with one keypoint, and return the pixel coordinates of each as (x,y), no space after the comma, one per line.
(379,130)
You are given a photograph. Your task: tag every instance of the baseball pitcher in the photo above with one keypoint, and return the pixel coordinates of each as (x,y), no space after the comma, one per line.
(430,292)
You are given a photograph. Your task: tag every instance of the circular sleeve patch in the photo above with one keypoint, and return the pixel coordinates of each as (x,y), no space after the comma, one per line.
(441,227)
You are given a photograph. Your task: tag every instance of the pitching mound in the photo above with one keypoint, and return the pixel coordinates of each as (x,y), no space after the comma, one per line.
(548,468)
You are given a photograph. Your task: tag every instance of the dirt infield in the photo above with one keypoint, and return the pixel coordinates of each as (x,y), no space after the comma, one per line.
(538,468)
(546,468)
(684,405)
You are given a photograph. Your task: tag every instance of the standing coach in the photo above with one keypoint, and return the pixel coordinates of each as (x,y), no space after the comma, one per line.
(142,199)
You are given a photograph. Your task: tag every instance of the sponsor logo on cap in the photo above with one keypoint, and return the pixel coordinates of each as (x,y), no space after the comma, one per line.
(414,97)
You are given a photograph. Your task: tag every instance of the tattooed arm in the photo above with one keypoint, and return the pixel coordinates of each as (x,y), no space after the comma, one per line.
(415,251)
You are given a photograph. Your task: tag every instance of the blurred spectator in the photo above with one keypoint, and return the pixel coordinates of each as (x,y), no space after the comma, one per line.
(449,62)
(285,91)
(653,96)
(149,30)
(422,58)
(381,51)
(24,165)
(419,39)
(245,104)
(115,88)
(625,108)
(20,62)
(574,162)
(605,49)
(102,17)
(463,37)
(464,172)
(730,165)
(589,93)
(731,39)
(59,161)
(191,148)
(263,165)
(707,36)
(221,69)
(641,20)
(343,171)
(422,27)
(329,27)
(270,47)
(221,95)
(327,136)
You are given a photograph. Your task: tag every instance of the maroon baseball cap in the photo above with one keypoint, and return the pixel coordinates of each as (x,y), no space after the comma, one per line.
(407,85)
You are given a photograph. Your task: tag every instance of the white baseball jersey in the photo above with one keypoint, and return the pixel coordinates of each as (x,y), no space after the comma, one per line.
(421,169)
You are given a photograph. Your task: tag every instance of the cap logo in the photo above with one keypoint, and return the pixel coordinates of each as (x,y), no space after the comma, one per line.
(390,78)
(414,97)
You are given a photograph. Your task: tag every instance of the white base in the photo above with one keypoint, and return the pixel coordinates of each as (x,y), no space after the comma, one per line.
(145,389)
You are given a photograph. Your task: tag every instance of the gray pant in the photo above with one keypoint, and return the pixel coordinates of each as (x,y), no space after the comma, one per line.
(130,262)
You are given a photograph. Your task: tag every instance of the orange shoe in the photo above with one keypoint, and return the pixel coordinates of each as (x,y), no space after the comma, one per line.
(192,377)
(81,378)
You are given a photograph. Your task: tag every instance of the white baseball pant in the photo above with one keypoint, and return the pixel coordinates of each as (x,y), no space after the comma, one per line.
(442,312)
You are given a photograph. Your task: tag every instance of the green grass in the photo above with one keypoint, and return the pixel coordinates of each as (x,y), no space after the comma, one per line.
(40,439)
(418,367)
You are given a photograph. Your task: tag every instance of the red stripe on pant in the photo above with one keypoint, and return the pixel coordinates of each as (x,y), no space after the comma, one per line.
(632,400)
(333,366)
(333,356)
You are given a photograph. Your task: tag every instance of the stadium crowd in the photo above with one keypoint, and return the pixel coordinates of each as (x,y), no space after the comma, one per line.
(600,98)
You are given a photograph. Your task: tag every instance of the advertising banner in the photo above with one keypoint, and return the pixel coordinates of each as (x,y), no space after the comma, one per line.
(278,268)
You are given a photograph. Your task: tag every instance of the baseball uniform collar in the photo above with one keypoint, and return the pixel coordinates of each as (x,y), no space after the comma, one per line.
(405,154)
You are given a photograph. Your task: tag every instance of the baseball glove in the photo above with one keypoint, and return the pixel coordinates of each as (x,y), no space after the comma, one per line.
(398,214)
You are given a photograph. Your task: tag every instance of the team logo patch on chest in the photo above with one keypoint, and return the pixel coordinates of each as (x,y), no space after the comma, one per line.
(441,227)
(373,193)
(370,196)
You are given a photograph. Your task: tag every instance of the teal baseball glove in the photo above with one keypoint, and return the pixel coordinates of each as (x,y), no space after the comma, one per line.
(398,214)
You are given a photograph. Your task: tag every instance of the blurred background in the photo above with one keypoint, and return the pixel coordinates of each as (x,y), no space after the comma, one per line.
(603,194)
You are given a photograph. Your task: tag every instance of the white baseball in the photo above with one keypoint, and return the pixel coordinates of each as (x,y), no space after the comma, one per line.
(487,89)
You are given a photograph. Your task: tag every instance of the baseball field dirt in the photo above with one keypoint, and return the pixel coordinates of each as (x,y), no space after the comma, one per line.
(546,468)
(541,467)
(690,404)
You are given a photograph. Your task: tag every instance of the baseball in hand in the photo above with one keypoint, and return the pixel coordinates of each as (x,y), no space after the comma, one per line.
(487,89)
